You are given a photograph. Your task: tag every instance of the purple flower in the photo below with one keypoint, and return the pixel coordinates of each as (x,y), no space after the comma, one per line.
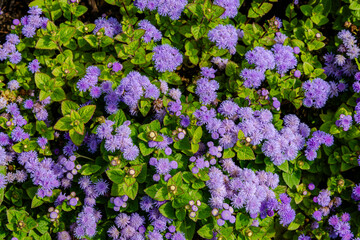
(225,37)
(284,58)
(111,26)
(150,31)
(253,77)
(317,215)
(116,67)
(42,141)
(13,85)
(231,7)
(101,187)
(34,66)
(316,93)
(262,59)
(166,58)
(206,90)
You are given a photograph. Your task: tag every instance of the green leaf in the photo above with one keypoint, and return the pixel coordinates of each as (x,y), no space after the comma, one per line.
(171,77)
(43,81)
(292,179)
(46,236)
(230,69)
(145,106)
(80,10)
(258,10)
(36,202)
(92,40)
(144,149)
(206,231)
(197,135)
(140,57)
(46,43)
(99,56)
(86,113)
(66,33)
(355,5)
(63,124)
(198,31)
(315,45)
(216,11)
(196,9)
(162,194)
(167,210)
(80,128)
(242,221)
(67,106)
(228,153)
(132,190)
(58,94)
(308,68)
(245,153)
(76,137)
(306,10)
(152,190)
(89,169)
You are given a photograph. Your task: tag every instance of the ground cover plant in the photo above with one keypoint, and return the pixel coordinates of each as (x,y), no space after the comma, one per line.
(224,119)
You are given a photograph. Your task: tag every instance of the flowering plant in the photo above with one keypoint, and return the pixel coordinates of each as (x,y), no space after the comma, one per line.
(181,120)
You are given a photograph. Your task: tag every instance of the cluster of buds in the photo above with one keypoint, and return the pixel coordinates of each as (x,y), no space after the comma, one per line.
(226,214)
(152,135)
(72,199)
(116,161)
(193,207)
(53,213)
(70,170)
(119,202)
(179,134)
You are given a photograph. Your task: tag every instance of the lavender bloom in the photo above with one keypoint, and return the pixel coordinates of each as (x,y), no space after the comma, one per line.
(13,85)
(208,72)
(34,66)
(284,58)
(316,93)
(206,90)
(262,59)
(171,8)
(166,58)
(253,77)
(225,37)
(344,122)
(231,7)
(220,62)
(151,31)
(111,26)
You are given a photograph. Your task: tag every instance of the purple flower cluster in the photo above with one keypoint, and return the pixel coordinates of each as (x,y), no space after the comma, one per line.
(357,114)
(9,51)
(345,122)
(163,167)
(131,227)
(86,222)
(119,202)
(131,89)
(120,141)
(231,7)
(89,81)
(284,58)
(38,108)
(341,227)
(164,144)
(32,22)
(314,143)
(225,130)
(349,41)
(286,213)
(220,62)
(159,221)
(45,174)
(279,146)
(324,200)
(150,31)
(247,189)
(111,26)
(225,215)
(206,90)
(201,163)
(317,92)
(225,37)
(171,8)
(66,169)
(166,58)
